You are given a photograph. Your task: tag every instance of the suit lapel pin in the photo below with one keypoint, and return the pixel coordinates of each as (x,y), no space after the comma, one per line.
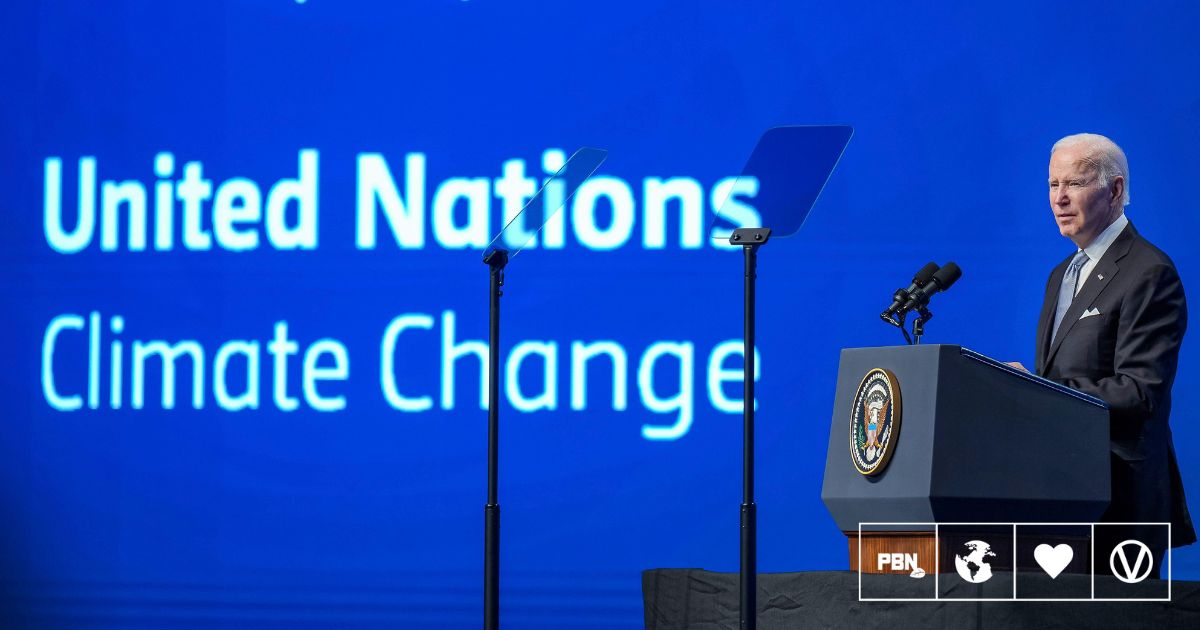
(1099,276)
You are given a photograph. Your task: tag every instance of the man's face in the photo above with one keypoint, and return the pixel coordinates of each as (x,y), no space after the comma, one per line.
(1082,206)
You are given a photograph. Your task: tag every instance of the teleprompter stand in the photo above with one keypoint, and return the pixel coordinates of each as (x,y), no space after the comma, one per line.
(496,260)
(519,232)
(750,240)
(783,178)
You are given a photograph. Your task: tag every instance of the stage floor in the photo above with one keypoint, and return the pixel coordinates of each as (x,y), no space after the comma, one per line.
(694,598)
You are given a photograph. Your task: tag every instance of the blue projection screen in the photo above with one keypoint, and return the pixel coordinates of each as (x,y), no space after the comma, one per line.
(245,317)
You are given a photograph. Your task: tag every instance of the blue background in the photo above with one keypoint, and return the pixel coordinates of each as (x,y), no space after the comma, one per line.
(369,515)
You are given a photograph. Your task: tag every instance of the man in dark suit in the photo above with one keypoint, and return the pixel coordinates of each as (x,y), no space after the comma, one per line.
(1111,325)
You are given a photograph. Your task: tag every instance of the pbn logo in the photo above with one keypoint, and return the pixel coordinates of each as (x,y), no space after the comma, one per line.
(899,562)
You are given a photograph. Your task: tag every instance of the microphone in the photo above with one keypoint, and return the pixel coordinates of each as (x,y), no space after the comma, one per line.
(902,296)
(942,280)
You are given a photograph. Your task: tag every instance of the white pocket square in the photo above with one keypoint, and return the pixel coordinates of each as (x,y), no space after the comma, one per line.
(1090,312)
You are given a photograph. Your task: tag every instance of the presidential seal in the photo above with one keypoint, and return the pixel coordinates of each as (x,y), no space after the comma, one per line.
(875,421)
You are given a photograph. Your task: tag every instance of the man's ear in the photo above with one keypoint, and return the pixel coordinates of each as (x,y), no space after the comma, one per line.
(1118,191)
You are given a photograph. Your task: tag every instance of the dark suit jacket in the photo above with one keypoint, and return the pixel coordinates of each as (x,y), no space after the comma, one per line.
(1126,356)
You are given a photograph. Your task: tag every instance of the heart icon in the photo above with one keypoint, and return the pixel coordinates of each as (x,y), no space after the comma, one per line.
(1053,559)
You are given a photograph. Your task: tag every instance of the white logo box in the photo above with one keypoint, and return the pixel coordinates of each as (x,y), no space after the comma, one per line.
(937,564)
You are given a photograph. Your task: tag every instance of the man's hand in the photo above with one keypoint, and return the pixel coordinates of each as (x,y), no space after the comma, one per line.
(1017,364)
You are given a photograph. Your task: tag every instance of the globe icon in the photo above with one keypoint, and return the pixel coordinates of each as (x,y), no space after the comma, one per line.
(972,561)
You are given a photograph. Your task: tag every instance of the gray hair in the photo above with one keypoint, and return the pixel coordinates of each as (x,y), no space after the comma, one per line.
(1103,154)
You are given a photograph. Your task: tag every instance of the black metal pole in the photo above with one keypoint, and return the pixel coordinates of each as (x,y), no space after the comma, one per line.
(919,325)
(750,239)
(496,261)
(749,568)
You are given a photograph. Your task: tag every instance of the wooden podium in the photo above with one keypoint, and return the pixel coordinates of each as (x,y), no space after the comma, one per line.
(968,440)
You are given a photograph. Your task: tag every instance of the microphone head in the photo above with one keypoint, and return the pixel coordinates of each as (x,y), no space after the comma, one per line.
(924,283)
(947,275)
(925,274)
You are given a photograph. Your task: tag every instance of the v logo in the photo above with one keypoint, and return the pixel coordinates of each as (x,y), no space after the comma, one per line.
(1134,574)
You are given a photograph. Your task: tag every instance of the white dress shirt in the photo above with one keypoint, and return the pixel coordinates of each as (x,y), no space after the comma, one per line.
(1096,250)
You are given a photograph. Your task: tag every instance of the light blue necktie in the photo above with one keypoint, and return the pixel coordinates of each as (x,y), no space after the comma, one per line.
(1066,292)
